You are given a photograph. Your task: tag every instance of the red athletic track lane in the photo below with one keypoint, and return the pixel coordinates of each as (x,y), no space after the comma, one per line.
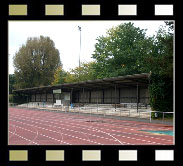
(36,127)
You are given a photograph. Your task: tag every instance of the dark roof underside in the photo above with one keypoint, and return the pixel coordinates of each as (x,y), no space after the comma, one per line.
(120,81)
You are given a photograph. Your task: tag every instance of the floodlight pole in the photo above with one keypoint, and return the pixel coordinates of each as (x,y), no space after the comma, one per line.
(79,28)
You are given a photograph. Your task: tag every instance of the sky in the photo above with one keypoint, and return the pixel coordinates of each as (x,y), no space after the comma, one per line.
(66,37)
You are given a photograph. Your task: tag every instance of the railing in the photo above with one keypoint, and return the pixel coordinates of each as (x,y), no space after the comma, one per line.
(160,116)
(96,110)
(101,111)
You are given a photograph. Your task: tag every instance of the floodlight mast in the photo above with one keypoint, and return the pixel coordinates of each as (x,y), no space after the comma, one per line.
(79,28)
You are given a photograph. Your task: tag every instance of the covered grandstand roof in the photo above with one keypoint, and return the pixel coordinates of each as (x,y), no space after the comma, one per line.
(120,81)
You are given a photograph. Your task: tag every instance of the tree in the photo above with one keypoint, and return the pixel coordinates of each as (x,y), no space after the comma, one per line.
(160,59)
(120,52)
(170,25)
(160,63)
(59,76)
(12,82)
(69,78)
(36,62)
(82,73)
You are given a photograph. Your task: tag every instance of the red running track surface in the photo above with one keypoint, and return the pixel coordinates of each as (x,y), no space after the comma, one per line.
(38,127)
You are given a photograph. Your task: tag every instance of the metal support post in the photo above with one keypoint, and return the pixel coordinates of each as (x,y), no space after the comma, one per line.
(35,97)
(119,94)
(137,96)
(83,94)
(90,96)
(97,100)
(103,96)
(46,96)
(115,98)
(71,95)
(90,114)
(163,117)
(150,117)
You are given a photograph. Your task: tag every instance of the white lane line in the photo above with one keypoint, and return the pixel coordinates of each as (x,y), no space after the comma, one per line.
(73,119)
(56,132)
(13,132)
(87,129)
(84,133)
(37,133)
(43,135)
(110,136)
(126,123)
(99,131)
(25,138)
(104,129)
(61,135)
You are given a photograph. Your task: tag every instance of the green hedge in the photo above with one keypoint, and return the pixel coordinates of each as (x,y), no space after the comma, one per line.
(19,99)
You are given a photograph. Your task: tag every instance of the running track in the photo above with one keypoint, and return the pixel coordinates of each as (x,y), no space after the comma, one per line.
(38,127)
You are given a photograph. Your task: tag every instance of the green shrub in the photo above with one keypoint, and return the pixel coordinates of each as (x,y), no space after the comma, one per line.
(17,98)
(11,98)
(161,93)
